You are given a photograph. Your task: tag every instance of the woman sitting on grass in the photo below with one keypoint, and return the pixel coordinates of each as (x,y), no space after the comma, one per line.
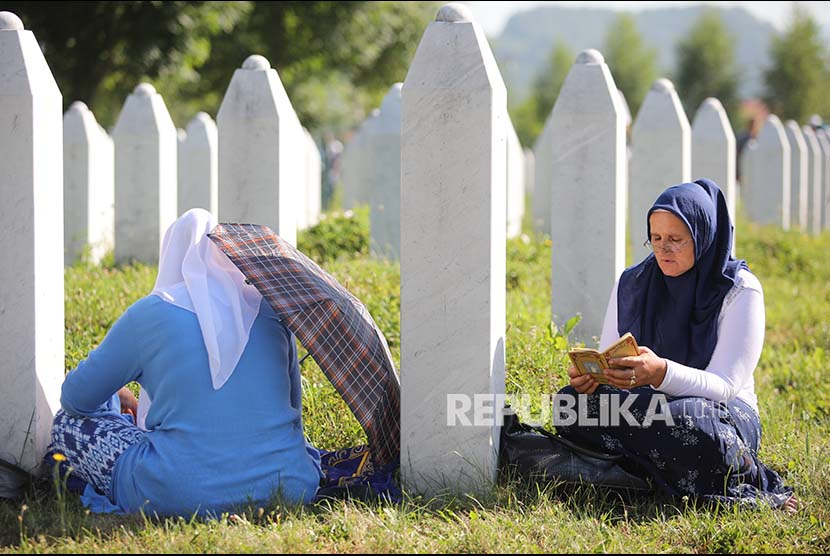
(698,316)
(224,427)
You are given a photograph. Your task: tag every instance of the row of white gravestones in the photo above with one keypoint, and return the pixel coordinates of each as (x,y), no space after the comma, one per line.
(664,151)
(371,173)
(786,176)
(31,216)
(128,199)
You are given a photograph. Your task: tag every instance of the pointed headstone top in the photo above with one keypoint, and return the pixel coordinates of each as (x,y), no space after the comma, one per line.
(711,103)
(10,22)
(454,13)
(78,106)
(203,117)
(663,85)
(256,62)
(145,90)
(590,56)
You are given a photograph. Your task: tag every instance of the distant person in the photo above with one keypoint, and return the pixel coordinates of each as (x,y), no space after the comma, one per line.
(698,316)
(749,133)
(225,424)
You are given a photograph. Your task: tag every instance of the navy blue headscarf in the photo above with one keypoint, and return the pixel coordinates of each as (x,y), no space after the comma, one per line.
(677,316)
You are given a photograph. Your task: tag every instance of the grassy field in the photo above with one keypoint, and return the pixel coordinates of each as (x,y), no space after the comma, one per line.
(790,381)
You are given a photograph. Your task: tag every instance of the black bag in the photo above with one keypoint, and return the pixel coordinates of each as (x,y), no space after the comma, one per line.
(13,480)
(537,454)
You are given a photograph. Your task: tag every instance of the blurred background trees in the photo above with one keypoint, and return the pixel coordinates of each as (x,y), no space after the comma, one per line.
(335,59)
(338,59)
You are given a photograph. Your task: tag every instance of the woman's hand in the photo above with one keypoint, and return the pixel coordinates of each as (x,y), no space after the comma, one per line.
(129,403)
(584,384)
(644,369)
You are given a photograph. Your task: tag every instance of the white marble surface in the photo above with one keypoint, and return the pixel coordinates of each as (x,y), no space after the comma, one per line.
(530,173)
(661,156)
(261,151)
(146,145)
(588,195)
(89,195)
(824,196)
(766,194)
(358,164)
(713,150)
(540,199)
(798,174)
(814,176)
(383,143)
(31,213)
(199,166)
(453,166)
(515,182)
(314,180)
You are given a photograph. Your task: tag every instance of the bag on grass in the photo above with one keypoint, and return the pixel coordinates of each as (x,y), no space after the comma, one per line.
(537,454)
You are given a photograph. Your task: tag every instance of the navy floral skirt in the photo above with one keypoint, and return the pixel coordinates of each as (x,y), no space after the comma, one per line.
(688,446)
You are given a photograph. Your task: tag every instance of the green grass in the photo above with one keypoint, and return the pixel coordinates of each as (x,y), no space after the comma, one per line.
(790,381)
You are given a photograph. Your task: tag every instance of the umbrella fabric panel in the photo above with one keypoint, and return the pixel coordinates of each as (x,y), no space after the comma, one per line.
(330,322)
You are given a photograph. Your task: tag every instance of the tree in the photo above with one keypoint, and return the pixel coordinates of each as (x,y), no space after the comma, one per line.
(335,59)
(99,51)
(530,116)
(706,65)
(794,81)
(633,65)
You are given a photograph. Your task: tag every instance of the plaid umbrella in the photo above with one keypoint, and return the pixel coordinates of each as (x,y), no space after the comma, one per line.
(331,323)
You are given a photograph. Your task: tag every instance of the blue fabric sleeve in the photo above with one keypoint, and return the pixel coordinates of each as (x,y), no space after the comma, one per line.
(91,389)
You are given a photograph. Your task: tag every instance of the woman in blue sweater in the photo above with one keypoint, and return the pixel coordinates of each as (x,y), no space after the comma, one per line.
(225,424)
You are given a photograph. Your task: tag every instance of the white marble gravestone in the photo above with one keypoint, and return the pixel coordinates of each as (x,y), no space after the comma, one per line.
(799,158)
(146,145)
(199,166)
(588,169)
(31,296)
(453,166)
(261,151)
(766,194)
(713,150)
(660,157)
(515,182)
(88,186)
(383,142)
(812,224)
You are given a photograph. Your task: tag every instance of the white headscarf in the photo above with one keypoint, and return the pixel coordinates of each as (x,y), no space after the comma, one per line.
(195,275)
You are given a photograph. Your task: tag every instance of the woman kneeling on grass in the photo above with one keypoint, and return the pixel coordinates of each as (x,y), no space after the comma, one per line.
(224,428)
(700,313)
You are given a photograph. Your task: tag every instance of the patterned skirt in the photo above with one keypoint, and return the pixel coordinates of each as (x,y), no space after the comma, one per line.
(688,446)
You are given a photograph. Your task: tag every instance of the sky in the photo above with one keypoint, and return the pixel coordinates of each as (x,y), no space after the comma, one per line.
(492,16)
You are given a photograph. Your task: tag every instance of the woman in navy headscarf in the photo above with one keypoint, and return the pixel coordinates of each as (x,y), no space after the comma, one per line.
(698,316)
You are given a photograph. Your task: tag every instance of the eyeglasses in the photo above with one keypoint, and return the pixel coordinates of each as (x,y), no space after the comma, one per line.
(667,246)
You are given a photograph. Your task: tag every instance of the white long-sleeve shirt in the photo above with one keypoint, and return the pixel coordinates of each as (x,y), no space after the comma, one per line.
(729,374)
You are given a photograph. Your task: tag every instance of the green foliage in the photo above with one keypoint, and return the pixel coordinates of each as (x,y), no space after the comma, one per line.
(337,234)
(796,81)
(530,116)
(633,65)
(98,53)
(335,59)
(706,65)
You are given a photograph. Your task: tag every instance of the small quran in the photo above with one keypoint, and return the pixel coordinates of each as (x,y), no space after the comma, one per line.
(593,362)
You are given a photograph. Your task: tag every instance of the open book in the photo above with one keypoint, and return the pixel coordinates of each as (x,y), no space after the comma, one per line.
(593,362)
